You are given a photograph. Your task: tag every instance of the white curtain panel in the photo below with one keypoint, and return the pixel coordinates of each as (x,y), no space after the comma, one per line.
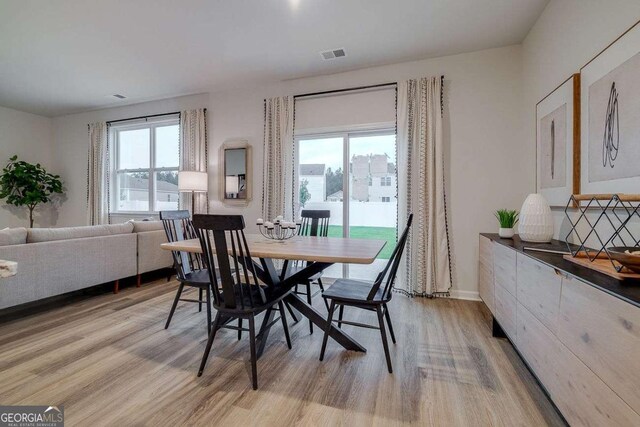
(278,191)
(421,189)
(98,175)
(193,154)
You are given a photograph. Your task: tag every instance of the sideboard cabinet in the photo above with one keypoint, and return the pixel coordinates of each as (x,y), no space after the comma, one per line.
(577,330)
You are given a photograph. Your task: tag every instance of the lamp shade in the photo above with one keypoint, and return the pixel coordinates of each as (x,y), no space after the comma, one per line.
(192,181)
(231,184)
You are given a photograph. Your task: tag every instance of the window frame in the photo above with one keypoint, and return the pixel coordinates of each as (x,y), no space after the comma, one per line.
(116,171)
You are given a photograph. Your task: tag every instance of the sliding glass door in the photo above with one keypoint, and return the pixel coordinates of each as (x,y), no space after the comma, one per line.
(353,175)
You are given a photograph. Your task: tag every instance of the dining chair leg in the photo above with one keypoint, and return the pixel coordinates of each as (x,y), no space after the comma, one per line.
(326,304)
(293,315)
(308,285)
(175,304)
(207,349)
(208,293)
(327,328)
(383,333)
(200,300)
(283,316)
(252,339)
(340,313)
(388,317)
(239,331)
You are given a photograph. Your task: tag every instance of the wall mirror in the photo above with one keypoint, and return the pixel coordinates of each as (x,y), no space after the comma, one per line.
(236,168)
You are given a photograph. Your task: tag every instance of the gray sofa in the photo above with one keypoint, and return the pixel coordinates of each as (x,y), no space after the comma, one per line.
(54,261)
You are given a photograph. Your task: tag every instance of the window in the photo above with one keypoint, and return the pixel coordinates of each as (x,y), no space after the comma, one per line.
(145,166)
(385,181)
(358,208)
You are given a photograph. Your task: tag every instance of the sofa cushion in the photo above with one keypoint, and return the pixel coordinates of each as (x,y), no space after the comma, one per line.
(142,226)
(36,235)
(13,236)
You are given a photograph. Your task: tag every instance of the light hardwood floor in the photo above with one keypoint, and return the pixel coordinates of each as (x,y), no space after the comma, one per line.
(109,361)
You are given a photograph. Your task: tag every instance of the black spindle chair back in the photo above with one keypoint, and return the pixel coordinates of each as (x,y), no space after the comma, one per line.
(178,227)
(388,274)
(226,253)
(314,223)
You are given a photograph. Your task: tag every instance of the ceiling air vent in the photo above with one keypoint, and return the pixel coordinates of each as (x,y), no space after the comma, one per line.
(333,54)
(117,95)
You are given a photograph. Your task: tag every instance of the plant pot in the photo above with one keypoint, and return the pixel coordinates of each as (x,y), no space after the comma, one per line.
(506,233)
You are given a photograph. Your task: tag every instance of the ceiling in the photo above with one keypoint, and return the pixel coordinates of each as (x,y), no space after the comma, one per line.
(63,56)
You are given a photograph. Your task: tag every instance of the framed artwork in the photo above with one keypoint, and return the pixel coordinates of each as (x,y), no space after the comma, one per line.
(611,105)
(558,143)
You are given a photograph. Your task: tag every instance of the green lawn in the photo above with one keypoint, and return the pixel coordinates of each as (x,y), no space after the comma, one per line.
(379,233)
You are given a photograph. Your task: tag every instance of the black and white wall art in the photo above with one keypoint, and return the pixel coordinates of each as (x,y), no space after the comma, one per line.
(557,142)
(611,129)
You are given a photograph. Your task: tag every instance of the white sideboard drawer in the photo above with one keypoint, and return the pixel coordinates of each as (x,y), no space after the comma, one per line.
(604,332)
(505,311)
(504,267)
(539,290)
(485,273)
(582,397)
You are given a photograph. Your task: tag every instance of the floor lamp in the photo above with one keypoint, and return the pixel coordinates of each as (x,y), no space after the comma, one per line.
(192,182)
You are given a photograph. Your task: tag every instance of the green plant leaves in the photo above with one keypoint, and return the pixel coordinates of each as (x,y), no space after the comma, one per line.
(24,184)
(506,218)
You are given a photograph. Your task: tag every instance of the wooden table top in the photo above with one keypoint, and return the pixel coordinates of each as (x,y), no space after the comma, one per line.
(319,249)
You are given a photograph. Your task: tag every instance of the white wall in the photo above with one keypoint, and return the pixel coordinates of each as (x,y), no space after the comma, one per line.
(484,131)
(566,36)
(483,98)
(71,147)
(30,137)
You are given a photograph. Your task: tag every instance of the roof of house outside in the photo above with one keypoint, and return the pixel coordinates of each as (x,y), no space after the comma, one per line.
(136,183)
(336,195)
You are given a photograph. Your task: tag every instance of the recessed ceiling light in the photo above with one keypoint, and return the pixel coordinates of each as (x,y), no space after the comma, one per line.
(333,53)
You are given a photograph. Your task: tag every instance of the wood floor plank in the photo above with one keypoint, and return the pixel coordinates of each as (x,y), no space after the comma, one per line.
(110,361)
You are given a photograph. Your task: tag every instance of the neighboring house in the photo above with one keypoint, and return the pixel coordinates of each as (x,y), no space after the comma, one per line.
(314,174)
(335,197)
(373,178)
(134,194)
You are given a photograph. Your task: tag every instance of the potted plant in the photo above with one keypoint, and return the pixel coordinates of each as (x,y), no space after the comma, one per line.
(507,220)
(24,184)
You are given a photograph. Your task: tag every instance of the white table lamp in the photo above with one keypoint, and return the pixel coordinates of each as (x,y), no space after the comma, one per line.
(232,185)
(192,182)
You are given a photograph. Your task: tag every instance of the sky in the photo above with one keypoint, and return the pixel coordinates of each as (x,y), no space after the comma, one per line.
(134,148)
(329,150)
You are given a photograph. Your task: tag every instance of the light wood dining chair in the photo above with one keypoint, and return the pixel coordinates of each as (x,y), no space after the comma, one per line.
(373,297)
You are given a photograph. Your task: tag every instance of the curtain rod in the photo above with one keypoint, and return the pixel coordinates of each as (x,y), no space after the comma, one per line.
(327,92)
(145,117)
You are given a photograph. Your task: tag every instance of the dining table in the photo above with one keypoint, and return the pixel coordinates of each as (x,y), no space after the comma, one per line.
(317,254)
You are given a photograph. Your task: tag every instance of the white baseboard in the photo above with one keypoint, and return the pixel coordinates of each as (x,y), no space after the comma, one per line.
(465,295)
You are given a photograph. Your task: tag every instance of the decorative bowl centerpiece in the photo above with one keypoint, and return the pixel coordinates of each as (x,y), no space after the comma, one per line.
(278,229)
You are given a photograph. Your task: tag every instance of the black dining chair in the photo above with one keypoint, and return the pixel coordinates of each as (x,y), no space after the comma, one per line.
(189,267)
(314,223)
(239,294)
(374,297)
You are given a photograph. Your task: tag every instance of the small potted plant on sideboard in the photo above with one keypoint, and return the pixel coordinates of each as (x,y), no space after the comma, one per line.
(507,220)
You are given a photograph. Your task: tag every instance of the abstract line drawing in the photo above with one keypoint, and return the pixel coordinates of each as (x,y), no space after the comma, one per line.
(553,148)
(611,138)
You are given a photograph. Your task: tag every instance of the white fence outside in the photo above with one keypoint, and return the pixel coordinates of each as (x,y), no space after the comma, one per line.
(369,214)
